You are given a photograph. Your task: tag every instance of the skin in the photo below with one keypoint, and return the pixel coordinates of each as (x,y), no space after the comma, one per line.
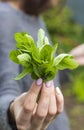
(78,53)
(27,112)
(30,114)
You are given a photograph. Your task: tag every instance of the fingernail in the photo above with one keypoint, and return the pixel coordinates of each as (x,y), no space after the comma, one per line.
(48,84)
(58,90)
(39,82)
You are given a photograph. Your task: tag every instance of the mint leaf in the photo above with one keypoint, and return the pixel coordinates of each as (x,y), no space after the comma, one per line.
(36,55)
(54,48)
(24,59)
(46,41)
(41,36)
(39,61)
(23,74)
(19,38)
(27,43)
(34,76)
(45,53)
(42,39)
(13,56)
(50,73)
(64,61)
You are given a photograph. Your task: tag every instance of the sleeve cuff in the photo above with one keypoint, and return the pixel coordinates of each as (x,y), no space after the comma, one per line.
(11,120)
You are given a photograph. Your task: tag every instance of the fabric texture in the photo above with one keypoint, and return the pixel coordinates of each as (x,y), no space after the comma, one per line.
(12,21)
(11,120)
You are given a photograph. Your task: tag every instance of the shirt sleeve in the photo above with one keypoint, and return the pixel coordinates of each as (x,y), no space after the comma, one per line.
(9,88)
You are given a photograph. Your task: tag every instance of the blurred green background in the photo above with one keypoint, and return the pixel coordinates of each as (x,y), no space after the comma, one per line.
(68,34)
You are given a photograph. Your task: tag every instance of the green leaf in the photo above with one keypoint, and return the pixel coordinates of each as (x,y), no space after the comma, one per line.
(64,61)
(20,38)
(13,55)
(42,39)
(23,33)
(46,41)
(24,42)
(23,47)
(26,46)
(54,48)
(39,60)
(23,38)
(34,76)
(49,75)
(41,36)
(50,72)
(24,59)
(30,40)
(23,74)
(45,53)
(36,70)
(59,58)
(36,55)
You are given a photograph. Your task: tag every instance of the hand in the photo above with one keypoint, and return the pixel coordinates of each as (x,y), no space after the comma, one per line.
(32,115)
(78,53)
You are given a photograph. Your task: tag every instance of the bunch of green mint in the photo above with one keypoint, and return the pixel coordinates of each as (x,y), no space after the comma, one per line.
(39,59)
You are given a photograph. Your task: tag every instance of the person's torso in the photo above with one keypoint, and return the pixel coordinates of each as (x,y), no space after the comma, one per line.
(23,23)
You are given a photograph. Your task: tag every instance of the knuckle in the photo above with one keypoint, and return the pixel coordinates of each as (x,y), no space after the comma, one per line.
(33,93)
(41,115)
(29,103)
(27,109)
(52,113)
(20,127)
(44,106)
(45,94)
(60,110)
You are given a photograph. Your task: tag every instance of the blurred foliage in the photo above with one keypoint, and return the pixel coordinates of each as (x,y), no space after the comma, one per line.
(68,34)
(78,85)
(78,88)
(63,29)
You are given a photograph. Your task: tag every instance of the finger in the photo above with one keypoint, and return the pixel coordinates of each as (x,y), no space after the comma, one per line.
(52,104)
(51,113)
(60,100)
(35,108)
(78,51)
(32,95)
(43,104)
(29,103)
(80,60)
(52,110)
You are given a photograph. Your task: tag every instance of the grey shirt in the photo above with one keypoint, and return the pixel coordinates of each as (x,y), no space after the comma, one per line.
(12,21)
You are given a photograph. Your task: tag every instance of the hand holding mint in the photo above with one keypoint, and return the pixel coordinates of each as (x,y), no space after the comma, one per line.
(39,59)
